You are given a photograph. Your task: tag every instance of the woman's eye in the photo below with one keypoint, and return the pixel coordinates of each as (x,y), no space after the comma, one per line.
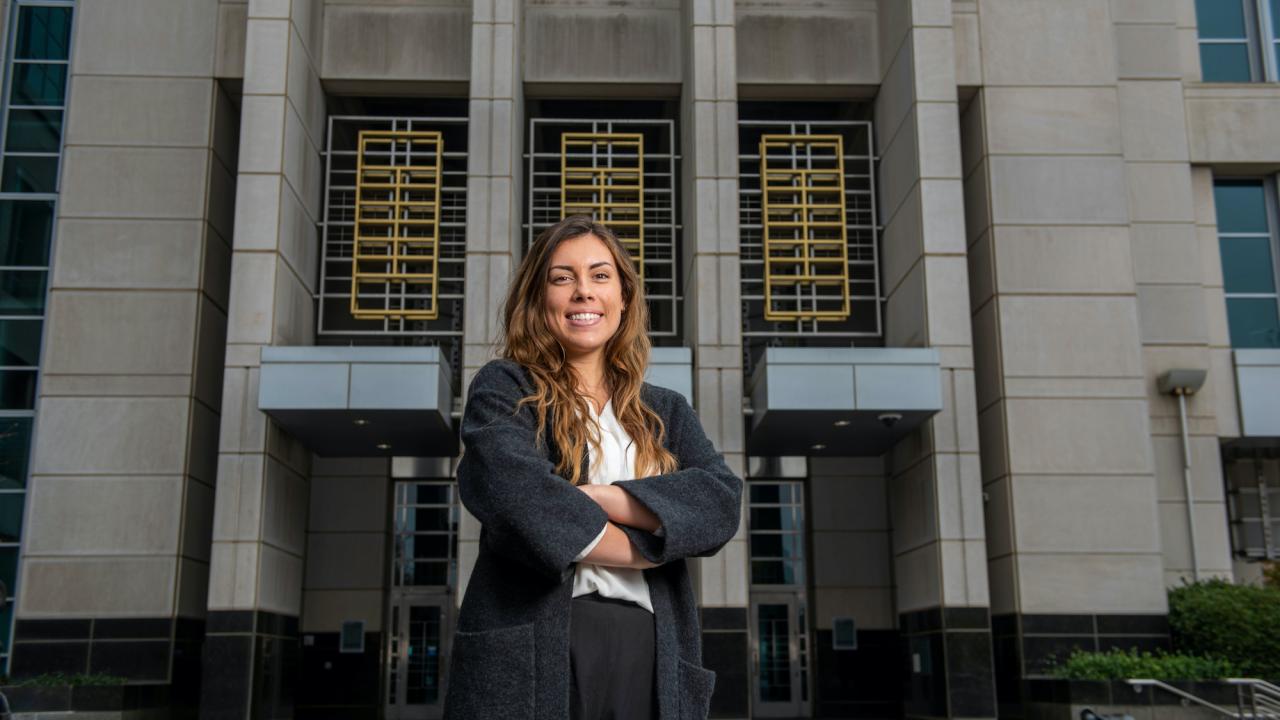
(603,275)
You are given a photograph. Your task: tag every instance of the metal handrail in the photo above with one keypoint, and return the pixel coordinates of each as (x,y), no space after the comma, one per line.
(1147,682)
(1263,696)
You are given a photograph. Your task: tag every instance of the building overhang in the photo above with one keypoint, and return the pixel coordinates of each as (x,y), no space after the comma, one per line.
(1258,394)
(671,368)
(361,401)
(837,401)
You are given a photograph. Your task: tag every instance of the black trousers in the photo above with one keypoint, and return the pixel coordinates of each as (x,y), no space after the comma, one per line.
(611,660)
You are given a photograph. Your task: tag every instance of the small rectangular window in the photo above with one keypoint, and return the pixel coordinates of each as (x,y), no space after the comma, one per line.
(1247,225)
(844,634)
(1239,40)
(352,640)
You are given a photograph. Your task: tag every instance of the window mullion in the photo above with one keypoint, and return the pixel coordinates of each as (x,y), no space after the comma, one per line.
(1266,41)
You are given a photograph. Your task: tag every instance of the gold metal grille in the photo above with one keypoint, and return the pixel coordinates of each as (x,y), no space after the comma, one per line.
(804,228)
(602,175)
(395,266)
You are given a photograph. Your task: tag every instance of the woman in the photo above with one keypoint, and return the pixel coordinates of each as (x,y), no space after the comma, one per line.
(591,487)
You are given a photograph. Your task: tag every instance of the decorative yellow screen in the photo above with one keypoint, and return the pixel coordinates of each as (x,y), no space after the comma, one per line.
(602,175)
(395,262)
(806,258)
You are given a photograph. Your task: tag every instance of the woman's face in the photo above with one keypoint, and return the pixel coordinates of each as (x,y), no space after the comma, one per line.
(584,295)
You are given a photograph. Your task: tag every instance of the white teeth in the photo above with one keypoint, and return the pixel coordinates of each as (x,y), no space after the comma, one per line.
(584,316)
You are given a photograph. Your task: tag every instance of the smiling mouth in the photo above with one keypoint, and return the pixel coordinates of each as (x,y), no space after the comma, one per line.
(584,319)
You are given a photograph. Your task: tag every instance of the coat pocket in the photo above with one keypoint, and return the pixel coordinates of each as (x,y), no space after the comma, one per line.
(491,674)
(695,687)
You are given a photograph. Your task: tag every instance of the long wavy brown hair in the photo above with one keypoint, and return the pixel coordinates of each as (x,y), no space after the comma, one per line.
(528,340)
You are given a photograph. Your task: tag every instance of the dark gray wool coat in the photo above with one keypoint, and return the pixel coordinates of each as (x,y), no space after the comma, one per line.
(510,652)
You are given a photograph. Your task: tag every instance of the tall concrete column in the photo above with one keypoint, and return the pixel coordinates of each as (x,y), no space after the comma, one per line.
(116,549)
(494,208)
(1176,328)
(1074,538)
(259,531)
(935,492)
(712,317)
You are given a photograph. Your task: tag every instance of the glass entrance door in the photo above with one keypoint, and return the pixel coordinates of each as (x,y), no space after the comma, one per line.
(415,661)
(780,656)
(419,609)
(779,622)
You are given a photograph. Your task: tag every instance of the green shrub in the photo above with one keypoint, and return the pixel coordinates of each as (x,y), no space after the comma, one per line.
(1125,664)
(1238,622)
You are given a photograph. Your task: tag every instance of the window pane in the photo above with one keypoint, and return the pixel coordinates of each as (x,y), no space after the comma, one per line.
(15,442)
(34,131)
(1254,322)
(44,33)
(1246,265)
(11,516)
(1241,206)
(30,174)
(38,84)
(22,292)
(18,389)
(25,229)
(1225,62)
(20,342)
(1220,18)
(9,568)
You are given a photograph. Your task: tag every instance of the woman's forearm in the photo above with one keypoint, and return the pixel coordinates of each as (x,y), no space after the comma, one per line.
(622,508)
(615,550)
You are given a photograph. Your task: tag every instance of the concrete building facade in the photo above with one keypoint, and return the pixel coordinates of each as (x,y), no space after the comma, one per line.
(979,296)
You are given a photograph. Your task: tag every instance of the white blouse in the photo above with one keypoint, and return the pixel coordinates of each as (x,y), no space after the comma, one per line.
(618,462)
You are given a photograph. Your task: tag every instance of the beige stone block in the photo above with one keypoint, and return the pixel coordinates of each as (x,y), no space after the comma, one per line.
(839,45)
(858,559)
(964,574)
(237,514)
(1069,336)
(280,585)
(968,42)
(193,588)
(284,508)
(1206,468)
(1147,51)
(998,518)
(94,516)
(899,167)
(299,240)
(159,111)
(345,561)
(977,200)
(1153,121)
(941,202)
(266,57)
(88,435)
(919,579)
(1215,312)
(903,236)
(134,254)
(1091,583)
(1172,314)
(1160,192)
(210,353)
(326,610)
(202,453)
(1085,514)
(134,182)
(938,133)
(946,293)
(870,608)
(988,373)
(1063,260)
(121,332)
(1166,253)
(905,321)
(981,272)
(1145,11)
(1075,387)
(1078,436)
(643,45)
(1045,42)
(1224,126)
(252,312)
(229,43)
(1067,121)
(994,440)
(180,38)
(1002,577)
(914,508)
(934,64)
(1210,253)
(53,385)
(1058,190)
(1222,376)
(1213,551)
(262,133)
(97,587)
(348,504)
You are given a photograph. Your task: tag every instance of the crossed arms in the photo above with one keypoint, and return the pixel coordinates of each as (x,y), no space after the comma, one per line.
(535,517)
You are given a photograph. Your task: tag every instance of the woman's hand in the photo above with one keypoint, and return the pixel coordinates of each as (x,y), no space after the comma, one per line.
(615,549)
